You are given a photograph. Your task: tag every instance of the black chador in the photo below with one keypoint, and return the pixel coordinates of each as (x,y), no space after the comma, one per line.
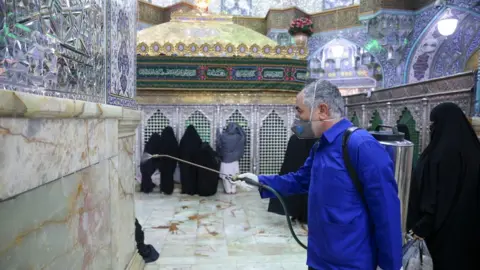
(444,204)
(148,252)
(296,154)
(169,146)
(207,180)
(149,166)
(189,145)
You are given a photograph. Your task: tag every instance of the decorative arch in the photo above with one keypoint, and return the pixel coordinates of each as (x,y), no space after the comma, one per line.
(201,123)
(238,118)
(156,123)
(355,120)
(407,119)
(433,55)
(272,143)
(359,37)
(356,68)
(472,62)
(375,121)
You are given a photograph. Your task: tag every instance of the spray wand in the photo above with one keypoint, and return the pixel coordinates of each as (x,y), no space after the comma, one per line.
(245,183)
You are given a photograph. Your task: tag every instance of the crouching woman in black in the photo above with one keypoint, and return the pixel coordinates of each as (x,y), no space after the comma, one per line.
(207,180)
(150,165)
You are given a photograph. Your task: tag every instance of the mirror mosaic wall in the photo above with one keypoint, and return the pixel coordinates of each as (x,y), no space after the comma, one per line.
(69,49)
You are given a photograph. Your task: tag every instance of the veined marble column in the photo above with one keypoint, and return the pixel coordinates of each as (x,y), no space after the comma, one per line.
(66,184)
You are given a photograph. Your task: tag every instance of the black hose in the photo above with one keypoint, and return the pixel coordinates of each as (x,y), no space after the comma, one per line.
(282,202)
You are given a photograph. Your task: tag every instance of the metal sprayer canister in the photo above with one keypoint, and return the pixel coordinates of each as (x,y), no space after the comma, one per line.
(401,153)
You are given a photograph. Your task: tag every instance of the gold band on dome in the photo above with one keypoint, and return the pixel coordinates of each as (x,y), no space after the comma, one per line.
(221,50)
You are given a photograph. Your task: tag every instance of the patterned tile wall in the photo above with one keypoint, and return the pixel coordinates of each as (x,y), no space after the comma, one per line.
(121,52)
(75,49)
(436,56)
(424,37)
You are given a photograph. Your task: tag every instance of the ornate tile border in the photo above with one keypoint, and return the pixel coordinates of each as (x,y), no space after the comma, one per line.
(121,52)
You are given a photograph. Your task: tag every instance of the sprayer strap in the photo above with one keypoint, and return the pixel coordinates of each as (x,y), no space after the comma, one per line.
(348,163)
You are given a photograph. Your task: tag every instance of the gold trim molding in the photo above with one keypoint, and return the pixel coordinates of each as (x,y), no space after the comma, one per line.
(196,15)
(221,50)
(275,18)
(152,97)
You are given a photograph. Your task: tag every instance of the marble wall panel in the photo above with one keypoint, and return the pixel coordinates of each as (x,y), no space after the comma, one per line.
(64,224)
(36,151)
(123,211)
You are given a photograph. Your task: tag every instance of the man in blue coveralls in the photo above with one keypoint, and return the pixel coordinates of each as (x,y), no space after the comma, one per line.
(343,232)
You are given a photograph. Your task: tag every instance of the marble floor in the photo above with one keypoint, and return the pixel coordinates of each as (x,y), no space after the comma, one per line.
(219,232)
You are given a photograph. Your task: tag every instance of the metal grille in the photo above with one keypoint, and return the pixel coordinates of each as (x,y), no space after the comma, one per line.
(273,143)
(201,124)
(245,161)
(156,123)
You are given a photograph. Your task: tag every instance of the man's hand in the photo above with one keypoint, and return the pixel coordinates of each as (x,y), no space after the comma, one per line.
(241,184)
(414,236)
(250,176)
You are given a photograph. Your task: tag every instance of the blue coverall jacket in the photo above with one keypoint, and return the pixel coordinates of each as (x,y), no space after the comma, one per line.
(343,234)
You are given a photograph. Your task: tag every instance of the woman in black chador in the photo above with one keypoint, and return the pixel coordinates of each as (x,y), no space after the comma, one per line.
(189,145)
(168,146)
(148,252)
(207,180)
(444,206)
(149,166)
(296,154)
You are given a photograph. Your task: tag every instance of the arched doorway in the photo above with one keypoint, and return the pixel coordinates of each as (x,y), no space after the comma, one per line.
(350,67)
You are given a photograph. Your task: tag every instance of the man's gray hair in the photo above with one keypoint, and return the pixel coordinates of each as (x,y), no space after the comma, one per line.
(324,92)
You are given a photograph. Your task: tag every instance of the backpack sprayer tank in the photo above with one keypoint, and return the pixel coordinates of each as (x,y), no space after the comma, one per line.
(401,153)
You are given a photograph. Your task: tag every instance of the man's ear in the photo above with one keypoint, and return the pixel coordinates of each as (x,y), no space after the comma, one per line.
(323,109)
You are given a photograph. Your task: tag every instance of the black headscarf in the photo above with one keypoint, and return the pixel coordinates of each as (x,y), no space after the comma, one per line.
(153,144)
(169,146)
(450,130)
(444,204)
